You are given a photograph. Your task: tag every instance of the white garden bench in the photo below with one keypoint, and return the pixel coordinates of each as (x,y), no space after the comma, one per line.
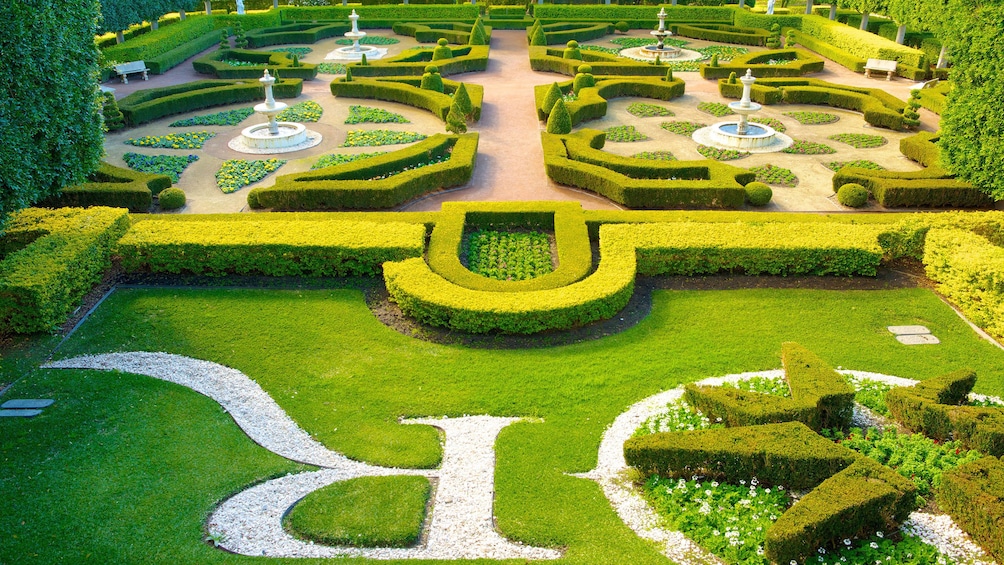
(124,69)
(882,66)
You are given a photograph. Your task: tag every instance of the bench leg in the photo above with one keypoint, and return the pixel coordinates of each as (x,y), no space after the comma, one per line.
(144,75)
(888,75)
(125,79)
(868,73)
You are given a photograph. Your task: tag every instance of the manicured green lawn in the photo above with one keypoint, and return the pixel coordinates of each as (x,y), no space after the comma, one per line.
(137,464)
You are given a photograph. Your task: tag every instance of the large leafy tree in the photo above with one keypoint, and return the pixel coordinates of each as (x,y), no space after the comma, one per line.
(972,140)
(49,118)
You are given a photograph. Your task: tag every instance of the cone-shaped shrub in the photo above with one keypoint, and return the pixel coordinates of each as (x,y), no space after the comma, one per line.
(348,74)
(732,78)
(559,121)
(531,30)
(538,37)
(669,74)
(455,123)
(462,100)
(363,61)
(714,60)
(442,50)
(479,35)
(553,95)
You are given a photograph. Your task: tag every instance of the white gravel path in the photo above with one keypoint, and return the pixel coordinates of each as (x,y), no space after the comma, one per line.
(461,525)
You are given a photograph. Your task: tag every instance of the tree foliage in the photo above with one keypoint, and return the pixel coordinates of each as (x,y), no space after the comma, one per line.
(972,122)
(49,111)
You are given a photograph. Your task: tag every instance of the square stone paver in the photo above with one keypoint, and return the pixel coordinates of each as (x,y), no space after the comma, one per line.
(19,413)
(27,403)
(921,339)
(909,330)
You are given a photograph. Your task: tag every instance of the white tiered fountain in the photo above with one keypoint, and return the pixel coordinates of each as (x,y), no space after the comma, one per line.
(274,136)
(742,135)
(355,52)
(664,52)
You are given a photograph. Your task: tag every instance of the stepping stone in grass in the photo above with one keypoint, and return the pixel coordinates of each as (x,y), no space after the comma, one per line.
(909,330)
(19,413)
(25,403)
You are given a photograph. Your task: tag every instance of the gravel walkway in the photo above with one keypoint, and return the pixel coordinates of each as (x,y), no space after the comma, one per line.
(250,523)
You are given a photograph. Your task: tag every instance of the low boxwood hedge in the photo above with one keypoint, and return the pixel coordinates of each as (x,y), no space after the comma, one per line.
(592,101)
(722,33)
(115,187)
(935,408)
(576,160)
(382,16)
(880,108)
(549,13)
(167,60)
(158,42)
(548,59)
(150,104)
(565,219)
(458,33)
(295,33)
(969,270)
(922,147)
(407,90)
(820,397)
(935,98)
(278,63)
(841,57)
(466,59)
(930,188)
(348,186)
(63,253)
(271,248)
(800,62)
(973,495)
(561,33)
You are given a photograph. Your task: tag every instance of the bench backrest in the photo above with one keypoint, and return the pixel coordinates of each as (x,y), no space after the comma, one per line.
(881,65)
(131,67)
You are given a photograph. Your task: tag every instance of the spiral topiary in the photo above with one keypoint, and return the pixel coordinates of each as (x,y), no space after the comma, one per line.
(758,194)
(852,195)
(171,198)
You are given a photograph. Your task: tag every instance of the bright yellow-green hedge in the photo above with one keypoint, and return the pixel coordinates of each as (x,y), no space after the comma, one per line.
(407,90)
(973,495)
(798,62)
(969,271)
(860,43)
(592,101)
(270,248)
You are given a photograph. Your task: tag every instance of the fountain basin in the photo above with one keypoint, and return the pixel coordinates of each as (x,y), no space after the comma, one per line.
(258,139)
(759,138)
(668,53)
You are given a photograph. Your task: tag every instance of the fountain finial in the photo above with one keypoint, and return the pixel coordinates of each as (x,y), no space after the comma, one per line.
(268,80)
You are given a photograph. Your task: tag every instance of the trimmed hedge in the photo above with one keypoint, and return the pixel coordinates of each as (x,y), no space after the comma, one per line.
(820,397)
(969,270)
(722,33)
(800,62)
(592,101)
(429,32)
(548,59)
(278,63)
(934,99)
(168,38)
(295,33)
(860,43)
(973,495)
(382,16)
(575,160)
(430,298)
(564,219)
(348,186)
(839,56)
(66,253)
(467,58)
(922,147)
(150,104)
(563,32)
(115,187)
(934,408)
(549,13)
(166,61)
(406,90)
(269,248)
(880,108)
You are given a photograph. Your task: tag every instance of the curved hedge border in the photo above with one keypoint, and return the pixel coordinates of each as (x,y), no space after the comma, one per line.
(931,188)
(565,219)
(722,33)
(592,101)
(458,33)
(467,58)
(575,160)
(58,256)
(115,187)
(800,62)
(295,33)
(347,186)
(644,16)
(150,104)
(859,43)
(841,57)
(934,99)
(562,32)
(271,248)
(880,108)
(973,495)
(407,90)
(278,63)
(935,408)
(550,60)
(969,270)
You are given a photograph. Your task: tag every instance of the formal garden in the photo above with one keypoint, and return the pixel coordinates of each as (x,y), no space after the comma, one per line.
(694,283)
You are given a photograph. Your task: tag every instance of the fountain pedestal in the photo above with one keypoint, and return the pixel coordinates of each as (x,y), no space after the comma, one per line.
(742,135)
(650,52)
(356,51)
(274,136)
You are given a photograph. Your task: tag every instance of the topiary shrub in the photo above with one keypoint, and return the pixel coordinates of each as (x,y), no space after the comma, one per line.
(432,80)
(538,37)
(114,120)
(584,79)
(572,51)
(442,50)
(552,96)
(621,27)
(362,61)
(669,75)
(714,60)
(462,100)
(911,118)
(224,40)
(732,78)
(758,194)
(559,121)
(171,198)
(852,195)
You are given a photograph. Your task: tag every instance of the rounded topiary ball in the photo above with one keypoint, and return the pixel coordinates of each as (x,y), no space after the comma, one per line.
(758,194)
(442,42)
(585,69)
(622,27)
(573,44)
(853,195)
(431,69)
(171,198)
